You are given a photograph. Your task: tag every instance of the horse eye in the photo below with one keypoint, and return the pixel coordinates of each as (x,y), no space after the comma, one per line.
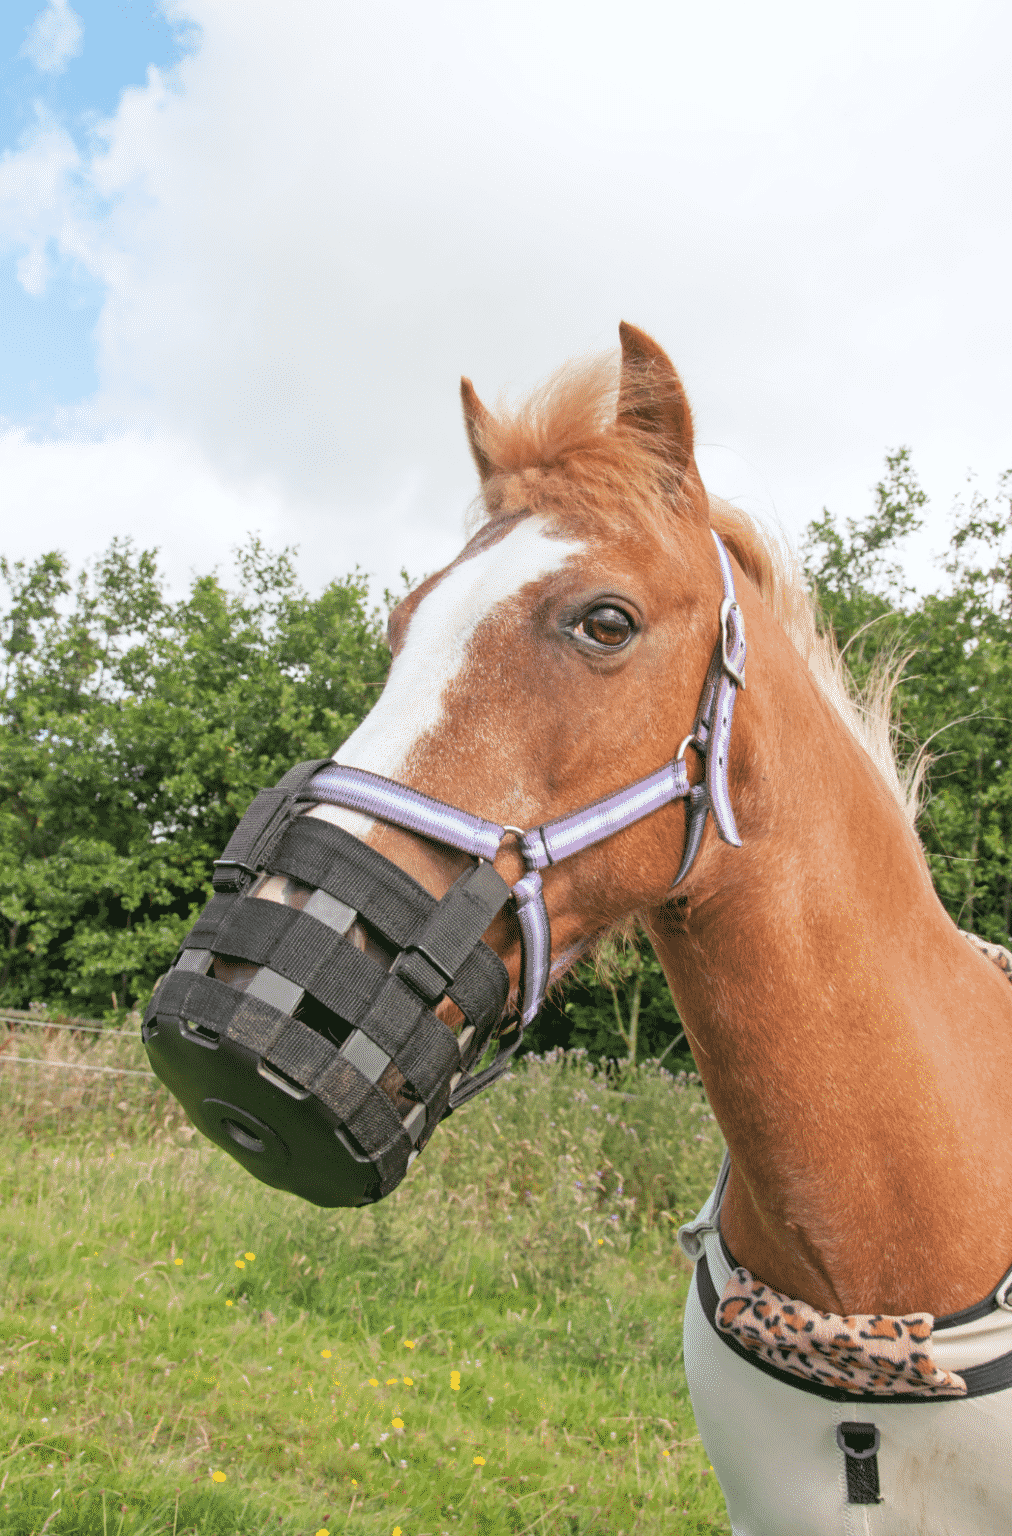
(607,626)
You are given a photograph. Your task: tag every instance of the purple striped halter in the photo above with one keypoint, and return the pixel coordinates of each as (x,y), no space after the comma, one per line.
(385,799)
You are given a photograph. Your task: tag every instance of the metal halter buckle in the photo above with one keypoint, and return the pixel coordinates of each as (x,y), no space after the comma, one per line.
(728,606)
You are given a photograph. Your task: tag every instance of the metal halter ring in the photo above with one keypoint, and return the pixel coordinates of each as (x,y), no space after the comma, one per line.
(728,606)
(692,740)
(519,833)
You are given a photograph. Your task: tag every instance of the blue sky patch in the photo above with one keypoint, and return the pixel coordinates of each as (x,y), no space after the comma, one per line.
(47,350)
(121,38)
(48,354)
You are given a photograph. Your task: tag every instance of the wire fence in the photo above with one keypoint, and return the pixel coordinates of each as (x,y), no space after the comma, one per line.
(16,1021)
(22,1021)
(37,1020)
(53,1071)
(71,1066)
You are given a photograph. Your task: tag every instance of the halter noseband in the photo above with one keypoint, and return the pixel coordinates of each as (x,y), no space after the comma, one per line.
(287,1080)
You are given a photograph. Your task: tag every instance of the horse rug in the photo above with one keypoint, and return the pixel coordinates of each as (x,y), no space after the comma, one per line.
(927,1422)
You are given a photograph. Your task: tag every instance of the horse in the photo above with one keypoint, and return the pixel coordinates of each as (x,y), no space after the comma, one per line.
(855,1049)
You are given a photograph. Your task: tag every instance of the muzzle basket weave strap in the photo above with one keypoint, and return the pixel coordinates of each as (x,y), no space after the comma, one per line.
(420,1045)
(332,860)
(304,951)
(350,985)
(205,930)
(395,905)
(260,826)
(460,919)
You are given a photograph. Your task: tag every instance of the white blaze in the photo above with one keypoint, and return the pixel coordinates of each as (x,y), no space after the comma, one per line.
(435,648)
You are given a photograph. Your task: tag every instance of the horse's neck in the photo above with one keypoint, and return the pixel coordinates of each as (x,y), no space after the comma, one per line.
(855,1050)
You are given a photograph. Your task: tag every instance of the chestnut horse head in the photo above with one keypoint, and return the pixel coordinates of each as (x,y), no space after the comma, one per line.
(851,1044)
(562,655)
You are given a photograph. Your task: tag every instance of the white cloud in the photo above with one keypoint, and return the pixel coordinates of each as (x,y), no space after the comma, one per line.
(321,218)
(38,201)
(54,38)
(78,494)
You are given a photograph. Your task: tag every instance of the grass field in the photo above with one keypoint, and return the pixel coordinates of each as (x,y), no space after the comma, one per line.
(494,1348)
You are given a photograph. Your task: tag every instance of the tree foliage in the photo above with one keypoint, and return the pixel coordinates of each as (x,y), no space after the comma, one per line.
(619,1005)
(134,732)
(954,695)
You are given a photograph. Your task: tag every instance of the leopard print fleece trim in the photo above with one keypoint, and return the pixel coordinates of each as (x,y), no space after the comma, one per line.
(864,1353)
(994,952)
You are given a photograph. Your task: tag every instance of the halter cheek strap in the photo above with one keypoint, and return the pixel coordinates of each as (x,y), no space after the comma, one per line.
(374,795)
(711,732)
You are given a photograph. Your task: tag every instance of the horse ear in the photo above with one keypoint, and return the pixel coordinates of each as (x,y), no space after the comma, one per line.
(651,398)
(476,419)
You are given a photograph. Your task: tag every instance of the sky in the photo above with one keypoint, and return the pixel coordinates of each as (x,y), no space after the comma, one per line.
(246,252)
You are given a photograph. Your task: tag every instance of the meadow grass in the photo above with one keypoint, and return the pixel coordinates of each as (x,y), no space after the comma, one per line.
(496,1347)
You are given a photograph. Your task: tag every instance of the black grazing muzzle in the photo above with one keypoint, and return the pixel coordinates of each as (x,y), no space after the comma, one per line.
(284,1070)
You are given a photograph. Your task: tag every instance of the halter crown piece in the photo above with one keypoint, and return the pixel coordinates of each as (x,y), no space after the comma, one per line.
(283,1070)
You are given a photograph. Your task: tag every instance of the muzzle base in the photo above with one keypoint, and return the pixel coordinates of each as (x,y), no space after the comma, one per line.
(283,1069)
(280,1132)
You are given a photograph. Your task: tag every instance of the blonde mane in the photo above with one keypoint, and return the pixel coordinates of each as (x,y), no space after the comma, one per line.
(567,428)
(776,572)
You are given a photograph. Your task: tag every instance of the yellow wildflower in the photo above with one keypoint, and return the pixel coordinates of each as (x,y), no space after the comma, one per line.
(218,1477)
(240,1264)
(408,1343)
(478,1461)
(454,1381)
(250,1256)
(325,1353)
(409,1381)
(391,1381)
(397,1423)
(229,1303)
(175,1261)
(373,1382)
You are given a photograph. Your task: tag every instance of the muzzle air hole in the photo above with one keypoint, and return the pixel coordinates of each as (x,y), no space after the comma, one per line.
(199,1034)
(282,1080)
(242,1137)
(246,1131)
